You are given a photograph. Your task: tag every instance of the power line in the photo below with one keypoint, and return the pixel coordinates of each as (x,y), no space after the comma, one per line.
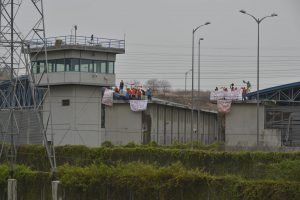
(211,78)
(128,54)
(207,47)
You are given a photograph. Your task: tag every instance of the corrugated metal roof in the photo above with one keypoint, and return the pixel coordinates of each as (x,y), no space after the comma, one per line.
(8,82)
(275,88)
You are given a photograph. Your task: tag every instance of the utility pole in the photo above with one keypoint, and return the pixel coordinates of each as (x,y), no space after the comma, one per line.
(192,114)
(258,21)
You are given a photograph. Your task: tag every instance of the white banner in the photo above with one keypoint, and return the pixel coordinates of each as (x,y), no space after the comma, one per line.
(138,105)
(107,98)
(232,95)
(221,95)
(224,106)
(216,95)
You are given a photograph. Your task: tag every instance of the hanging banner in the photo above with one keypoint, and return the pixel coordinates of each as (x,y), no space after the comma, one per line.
(224,106)
(107,98)
(216,95)
(138,105)
(228,95)
(232,95)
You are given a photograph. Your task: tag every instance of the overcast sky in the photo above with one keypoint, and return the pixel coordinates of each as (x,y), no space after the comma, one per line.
(159,37)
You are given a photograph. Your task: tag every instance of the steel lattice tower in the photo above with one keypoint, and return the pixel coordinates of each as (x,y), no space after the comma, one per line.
(20,96)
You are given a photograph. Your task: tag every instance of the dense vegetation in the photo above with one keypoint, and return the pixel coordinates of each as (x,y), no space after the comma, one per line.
(157,172)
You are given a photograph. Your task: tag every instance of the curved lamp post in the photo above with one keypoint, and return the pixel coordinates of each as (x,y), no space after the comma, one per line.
(185,77)
(192,114)
(258,21)
(199,68)
(198,117)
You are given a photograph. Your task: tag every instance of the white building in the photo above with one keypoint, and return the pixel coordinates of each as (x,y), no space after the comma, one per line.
(77,72)
(279,117)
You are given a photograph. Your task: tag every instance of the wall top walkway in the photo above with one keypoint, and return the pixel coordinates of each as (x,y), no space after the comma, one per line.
(169,103)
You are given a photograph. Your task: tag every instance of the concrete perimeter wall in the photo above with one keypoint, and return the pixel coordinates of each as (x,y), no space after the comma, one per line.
(241,127)
(86,121)
(171,123)
(122,125)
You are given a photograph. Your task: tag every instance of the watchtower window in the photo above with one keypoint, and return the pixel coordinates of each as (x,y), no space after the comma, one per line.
(74,65)
(51,66)
(40,66)
(34,67)
(65,102)
(103,67)
(97,66)
(60,65)
(68,65)
(111,67)
(91,68)
(85,65)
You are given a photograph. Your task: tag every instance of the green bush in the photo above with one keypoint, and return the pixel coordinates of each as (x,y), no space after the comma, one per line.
(30,183)
(144,181)
(107,144)
(285,170)
(176,172)
(137,180)
(152,144)
(246,164)
(131,145)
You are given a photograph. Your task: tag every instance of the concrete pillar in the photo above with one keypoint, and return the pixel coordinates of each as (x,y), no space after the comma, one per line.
(12,189)
(56,194)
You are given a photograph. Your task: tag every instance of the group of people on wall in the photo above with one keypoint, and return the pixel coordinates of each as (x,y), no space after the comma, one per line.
(245,89)
(132,93)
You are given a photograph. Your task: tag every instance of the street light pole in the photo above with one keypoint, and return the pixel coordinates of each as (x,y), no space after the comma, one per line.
(198,117)
(192,114)
(258,21)
(199,68)
(185,77)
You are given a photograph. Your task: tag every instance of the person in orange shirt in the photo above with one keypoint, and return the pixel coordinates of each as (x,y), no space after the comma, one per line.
(116,90)
(133,93)
(139,94)
(129,93)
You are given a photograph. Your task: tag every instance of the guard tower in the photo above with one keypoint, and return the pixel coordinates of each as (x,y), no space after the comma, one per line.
(78,68)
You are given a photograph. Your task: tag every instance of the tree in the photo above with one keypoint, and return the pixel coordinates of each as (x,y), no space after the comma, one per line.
(153,84)
(158,85)
(165,86)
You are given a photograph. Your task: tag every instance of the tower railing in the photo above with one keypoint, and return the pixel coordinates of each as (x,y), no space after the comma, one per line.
(71,40)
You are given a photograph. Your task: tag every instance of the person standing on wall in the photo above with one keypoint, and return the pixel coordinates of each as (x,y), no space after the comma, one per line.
(121,86)
(244,93)
(149,94)
(139,94)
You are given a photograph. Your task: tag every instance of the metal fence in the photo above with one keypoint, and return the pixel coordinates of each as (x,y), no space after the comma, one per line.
(78,40)
(287,119)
